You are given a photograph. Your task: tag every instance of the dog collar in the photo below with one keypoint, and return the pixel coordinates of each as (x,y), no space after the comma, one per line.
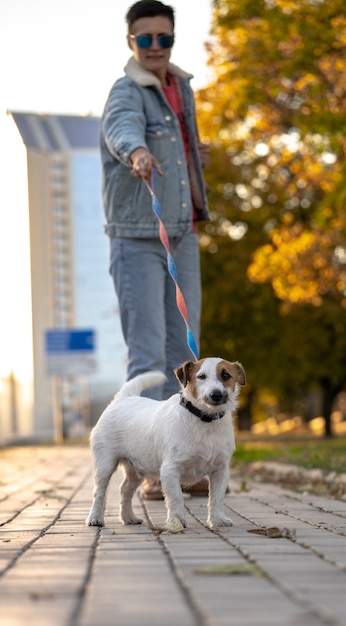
(205,417)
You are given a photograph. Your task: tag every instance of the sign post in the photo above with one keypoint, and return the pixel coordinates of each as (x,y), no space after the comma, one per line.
(69,352)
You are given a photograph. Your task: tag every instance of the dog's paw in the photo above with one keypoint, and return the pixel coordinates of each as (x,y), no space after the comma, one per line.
(219,520)
(175,518)
(92,520)
(131,520)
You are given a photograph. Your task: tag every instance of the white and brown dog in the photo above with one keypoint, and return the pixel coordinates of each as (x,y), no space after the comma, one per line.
(179,440)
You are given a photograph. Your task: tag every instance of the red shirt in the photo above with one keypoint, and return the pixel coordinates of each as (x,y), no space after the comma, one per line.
(173,97)
(172,94)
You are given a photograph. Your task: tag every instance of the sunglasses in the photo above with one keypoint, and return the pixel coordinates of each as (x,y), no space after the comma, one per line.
(145,41)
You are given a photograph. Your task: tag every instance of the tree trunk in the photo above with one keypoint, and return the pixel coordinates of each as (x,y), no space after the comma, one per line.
(329,393)
(244,412)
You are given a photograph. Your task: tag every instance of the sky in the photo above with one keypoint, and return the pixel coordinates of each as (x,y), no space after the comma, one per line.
(61,56)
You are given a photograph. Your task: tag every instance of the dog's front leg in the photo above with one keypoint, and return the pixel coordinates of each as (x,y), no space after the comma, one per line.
(217,488)
(174,499)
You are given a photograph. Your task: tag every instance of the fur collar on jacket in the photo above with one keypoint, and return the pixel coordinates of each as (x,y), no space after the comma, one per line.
(144,78)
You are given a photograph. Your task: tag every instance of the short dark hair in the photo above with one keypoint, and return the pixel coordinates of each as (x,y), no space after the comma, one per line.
(149,8)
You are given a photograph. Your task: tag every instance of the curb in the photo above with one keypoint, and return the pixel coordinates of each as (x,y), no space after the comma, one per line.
(299,478)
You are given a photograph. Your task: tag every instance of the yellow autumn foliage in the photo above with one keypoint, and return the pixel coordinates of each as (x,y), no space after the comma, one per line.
(300,265)
(277,109)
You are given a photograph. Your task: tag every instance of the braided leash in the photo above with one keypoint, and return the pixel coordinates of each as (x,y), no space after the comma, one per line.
(171,267)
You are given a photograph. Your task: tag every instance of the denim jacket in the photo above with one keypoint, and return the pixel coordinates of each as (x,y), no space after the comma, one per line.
(137,114)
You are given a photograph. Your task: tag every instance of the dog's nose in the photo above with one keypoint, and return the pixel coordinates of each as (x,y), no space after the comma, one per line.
(218,397)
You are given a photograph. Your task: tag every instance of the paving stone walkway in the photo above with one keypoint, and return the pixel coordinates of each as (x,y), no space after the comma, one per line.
(283,563)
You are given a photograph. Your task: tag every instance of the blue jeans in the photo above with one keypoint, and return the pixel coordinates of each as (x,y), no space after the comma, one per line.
(153,328)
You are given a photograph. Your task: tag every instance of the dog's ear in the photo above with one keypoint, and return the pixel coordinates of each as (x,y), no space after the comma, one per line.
(238,373)
(183,373)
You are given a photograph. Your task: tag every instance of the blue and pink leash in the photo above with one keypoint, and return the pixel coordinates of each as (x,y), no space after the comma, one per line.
(191,342)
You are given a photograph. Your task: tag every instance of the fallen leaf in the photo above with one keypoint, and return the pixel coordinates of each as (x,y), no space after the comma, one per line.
(274,532)
(244,487)
(49,493)
(37,596)
(231,569)
(171,527)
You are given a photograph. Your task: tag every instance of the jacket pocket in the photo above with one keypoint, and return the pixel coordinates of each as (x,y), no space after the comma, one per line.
(158,142)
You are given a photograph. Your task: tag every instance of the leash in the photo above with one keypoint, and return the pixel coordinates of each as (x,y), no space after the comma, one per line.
(191,342)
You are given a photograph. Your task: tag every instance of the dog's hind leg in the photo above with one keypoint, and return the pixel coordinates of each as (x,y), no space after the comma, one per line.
(127,489)
(102,475)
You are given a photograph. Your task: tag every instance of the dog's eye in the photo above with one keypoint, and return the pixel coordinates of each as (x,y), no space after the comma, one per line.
(225,375)
(201,376)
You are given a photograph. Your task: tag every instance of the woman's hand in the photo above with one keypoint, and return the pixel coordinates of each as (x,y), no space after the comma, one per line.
(203,149)
(143,163)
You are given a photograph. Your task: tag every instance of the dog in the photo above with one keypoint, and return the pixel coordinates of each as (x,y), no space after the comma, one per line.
(179,440)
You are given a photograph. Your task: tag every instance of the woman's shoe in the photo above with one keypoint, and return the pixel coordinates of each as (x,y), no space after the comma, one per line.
(151,490)
(200,489)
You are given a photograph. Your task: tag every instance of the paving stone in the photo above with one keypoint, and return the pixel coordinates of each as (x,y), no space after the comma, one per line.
(55,571)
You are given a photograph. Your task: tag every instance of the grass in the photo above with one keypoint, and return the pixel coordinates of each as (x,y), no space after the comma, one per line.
(328,455)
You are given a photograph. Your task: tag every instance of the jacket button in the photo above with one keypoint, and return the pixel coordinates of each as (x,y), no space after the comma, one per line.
(184,205)
(159,133)
(168,118)
(178,162)
(183,183)
(173,139)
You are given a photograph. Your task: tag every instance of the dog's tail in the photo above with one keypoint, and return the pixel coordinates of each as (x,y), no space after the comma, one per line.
(135,386)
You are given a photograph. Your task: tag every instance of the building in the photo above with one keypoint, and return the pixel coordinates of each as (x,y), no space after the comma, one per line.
(70,284)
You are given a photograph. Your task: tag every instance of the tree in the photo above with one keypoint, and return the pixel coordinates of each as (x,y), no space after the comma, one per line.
(276,112)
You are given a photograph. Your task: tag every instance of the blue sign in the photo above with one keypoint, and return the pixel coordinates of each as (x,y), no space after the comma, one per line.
(66,340)
(70,352)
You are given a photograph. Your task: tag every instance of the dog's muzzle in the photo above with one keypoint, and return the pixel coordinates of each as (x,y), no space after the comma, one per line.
(217,397)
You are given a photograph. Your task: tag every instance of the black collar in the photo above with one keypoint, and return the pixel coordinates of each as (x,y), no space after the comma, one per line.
(205,417)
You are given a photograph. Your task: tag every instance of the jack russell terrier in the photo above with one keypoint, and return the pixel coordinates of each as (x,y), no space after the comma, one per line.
(179,440)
